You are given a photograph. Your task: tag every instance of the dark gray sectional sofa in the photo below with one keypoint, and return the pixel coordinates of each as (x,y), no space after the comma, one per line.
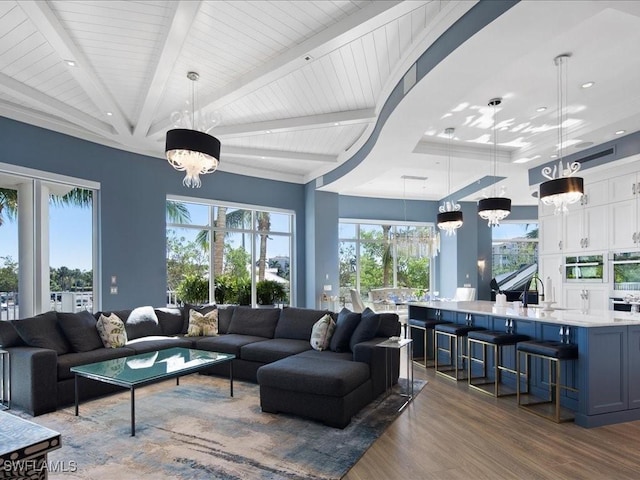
(271,347)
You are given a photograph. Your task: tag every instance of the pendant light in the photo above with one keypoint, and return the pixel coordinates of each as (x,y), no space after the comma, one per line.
(561,188)
(190,150)
(494,208)
(450,217)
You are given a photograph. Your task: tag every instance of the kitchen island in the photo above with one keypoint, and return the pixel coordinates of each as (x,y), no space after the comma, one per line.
(607,372)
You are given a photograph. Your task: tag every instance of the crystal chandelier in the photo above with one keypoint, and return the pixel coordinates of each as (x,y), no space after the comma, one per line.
(192,150)
(494,208)
(450,216)
(561,188)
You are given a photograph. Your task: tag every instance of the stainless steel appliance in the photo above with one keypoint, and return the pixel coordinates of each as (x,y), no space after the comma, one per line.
(584,268)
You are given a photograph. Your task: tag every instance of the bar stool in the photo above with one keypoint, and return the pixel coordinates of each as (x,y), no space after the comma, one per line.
(456,335)
(425,327)
(497,340)
(552,352)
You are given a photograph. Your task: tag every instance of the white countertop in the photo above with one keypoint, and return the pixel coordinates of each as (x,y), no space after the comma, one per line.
(577,318)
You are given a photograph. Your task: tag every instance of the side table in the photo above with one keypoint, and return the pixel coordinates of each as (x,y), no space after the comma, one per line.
(5,380)
(391,345)
(24,447)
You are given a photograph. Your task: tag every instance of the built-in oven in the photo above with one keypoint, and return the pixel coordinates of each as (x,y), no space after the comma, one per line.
(584,268)
(625,272)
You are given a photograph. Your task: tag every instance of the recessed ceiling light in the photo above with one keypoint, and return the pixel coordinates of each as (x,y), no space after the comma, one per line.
(541,109)
(109,114)
(336,124)
(620,132)
(588,84)
(267,131)
(307,58)
(554,156)
(71,63)
(263,158)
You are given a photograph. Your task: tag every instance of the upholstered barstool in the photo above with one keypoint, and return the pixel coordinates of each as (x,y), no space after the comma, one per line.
(423,330)
(456,336)
(554,353)
(497,341)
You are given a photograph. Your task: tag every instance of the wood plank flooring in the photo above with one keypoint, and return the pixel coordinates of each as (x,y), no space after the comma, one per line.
(451,432)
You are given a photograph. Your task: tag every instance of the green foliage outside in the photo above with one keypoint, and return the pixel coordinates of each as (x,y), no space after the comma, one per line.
(8,275)
(193,289)
(269,292)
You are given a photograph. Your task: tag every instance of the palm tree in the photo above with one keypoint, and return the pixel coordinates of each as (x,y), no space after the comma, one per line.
(264,225)
(387,257)
(8,204)
(177,212)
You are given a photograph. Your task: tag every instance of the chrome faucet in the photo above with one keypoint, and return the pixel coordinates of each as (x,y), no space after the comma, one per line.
(535,280)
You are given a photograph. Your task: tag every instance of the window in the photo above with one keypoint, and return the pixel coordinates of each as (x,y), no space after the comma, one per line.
(248,262)
(376,256)
(514,254)
(48,243)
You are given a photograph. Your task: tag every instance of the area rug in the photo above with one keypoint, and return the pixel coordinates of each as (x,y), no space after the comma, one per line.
(196,431)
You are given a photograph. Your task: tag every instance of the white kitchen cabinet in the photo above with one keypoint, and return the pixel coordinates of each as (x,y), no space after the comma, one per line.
(624,225)
(585,229)
(550,234)
(585,296)
(550,266)
(624,187)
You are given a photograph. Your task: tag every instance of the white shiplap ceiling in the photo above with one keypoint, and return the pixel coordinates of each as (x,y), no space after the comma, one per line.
(297,86)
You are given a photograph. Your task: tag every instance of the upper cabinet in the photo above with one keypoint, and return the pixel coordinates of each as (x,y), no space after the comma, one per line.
(624,213)
(585,223)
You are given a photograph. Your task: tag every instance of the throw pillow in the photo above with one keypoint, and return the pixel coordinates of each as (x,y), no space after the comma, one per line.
(80,329)
(43,331)
(366,329)
(202,325)
(321,333)
(345,325)
(111,330)
(198,308)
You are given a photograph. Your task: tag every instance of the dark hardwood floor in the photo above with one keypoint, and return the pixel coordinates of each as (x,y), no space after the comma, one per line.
(451,432)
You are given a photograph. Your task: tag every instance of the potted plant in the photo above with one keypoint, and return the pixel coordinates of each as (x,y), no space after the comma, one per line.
(193,289)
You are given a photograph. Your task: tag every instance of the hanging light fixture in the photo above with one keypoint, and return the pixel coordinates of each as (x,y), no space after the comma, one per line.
(561,188)
(450,216)
(418,241)
(494,208)
(192,150)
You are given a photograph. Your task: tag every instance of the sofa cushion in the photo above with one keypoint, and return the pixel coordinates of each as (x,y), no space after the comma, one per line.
(9,335)
(224,318)
(112,331)
(198,308)
(304,374)
(80,329)
(43,331)
(229,343)
(327,356)
(259,322)
(153,343)
(297,323)
(345,325)
(366,329)
(202,324)
(65,362)
(170,320)
(271,350)
(140,322)
(321,333)
(389,325)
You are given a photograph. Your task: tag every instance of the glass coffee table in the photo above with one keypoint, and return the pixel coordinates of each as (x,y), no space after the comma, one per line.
(147,368)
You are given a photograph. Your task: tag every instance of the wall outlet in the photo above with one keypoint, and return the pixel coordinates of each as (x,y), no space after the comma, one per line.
(114,290)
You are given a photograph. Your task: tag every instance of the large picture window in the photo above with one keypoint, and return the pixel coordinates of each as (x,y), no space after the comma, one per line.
(386,262)
(235,254)
(514,254)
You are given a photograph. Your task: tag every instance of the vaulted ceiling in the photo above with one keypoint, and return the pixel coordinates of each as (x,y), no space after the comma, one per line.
(294,88)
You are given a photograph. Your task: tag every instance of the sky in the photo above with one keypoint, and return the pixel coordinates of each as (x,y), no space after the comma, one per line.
(69,237)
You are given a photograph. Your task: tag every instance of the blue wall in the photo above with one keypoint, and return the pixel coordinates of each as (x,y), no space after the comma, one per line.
(132,205)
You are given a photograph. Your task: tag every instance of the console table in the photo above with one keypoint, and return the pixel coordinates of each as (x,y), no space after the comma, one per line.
(24,447)
(607,373)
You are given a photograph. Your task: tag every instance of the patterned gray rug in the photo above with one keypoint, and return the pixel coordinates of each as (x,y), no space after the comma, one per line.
(196,431)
